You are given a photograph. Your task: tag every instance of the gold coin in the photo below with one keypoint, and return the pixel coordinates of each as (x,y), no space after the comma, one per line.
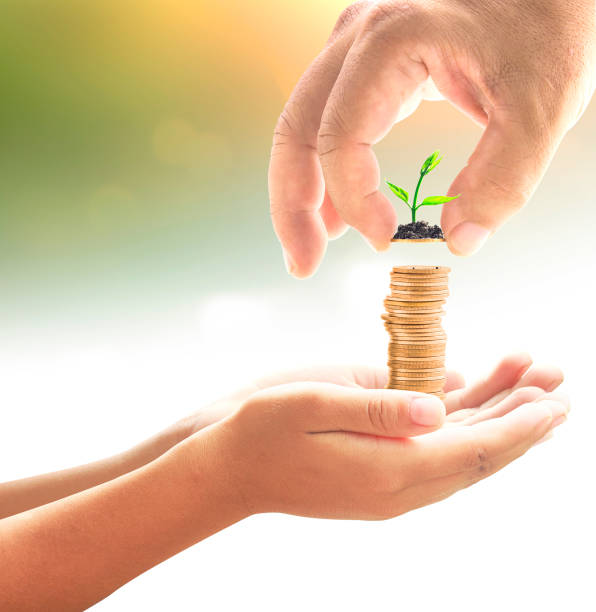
(409,340)
(408,297)
(392,323)
(398,342)
(418,337)
(418,278)
(392,301)
(415,313)
(393,326)
(397,324)
(398,335)
(418,285)
(414,300)
(406,386)
(417,320)
(422,269)
(416,289)
(398,376)
(396,303)
(397,327)
(413,363)
(423,362)
(435,381)
(397,292)
(429,309)
(395,320)
(418,240)
(421,373)
(429,305)
(412,352)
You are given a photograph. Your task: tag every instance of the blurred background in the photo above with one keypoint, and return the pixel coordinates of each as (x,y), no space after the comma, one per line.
(141,278)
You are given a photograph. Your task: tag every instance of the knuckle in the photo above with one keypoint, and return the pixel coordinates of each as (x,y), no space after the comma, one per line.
(501,78)
(381,415)
(290,123)
(328,136)
(307,400)
(264,407)
(285,124)
(249,409)
(540,96)
(334,130)
(513,194)
(525,395)
(348,16)
(478,458)
(384,14)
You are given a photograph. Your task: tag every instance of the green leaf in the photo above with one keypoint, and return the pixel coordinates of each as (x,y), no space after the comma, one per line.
(402,194)
(434,165)
(429,161)
(436,200)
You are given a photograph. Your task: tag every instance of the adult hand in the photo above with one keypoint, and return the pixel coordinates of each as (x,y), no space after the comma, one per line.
(348,451)
(523,70)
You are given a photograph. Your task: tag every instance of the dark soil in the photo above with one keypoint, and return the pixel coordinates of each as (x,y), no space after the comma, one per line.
(418,231)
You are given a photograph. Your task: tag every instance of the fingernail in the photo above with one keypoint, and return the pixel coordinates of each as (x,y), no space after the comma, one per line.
(290,265)
(560,398)
(379,246)
(559,411)
(467,238)
(427,411)
(558,421)
(545,438)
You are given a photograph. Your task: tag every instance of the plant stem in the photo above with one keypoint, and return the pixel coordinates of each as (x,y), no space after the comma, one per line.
(414,208)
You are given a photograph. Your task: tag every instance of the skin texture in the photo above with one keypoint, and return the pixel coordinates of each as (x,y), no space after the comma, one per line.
(524,70)
(341,444)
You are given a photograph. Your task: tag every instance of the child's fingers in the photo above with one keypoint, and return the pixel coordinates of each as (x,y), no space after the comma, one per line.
(513,400)
(478,448)
(505,376)
(545,377)
(455,381)
(538,428)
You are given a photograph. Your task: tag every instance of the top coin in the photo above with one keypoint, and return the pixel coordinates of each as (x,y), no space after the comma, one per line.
(422,269)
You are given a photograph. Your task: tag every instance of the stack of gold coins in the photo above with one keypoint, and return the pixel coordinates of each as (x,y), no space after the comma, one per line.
(413,319)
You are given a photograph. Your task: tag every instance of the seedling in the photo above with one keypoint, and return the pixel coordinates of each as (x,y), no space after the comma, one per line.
(427,167)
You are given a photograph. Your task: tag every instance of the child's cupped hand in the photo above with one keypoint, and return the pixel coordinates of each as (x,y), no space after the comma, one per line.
(333,443)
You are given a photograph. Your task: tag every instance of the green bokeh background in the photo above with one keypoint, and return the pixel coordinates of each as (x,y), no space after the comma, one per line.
(135,140)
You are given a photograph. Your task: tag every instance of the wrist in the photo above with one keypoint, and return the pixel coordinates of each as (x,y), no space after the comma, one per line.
(216,467)
(160,443)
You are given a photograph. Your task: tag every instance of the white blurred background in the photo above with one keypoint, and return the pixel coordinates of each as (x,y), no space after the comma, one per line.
(520,540)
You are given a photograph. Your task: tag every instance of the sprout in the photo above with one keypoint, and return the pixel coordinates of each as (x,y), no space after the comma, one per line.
(430,163)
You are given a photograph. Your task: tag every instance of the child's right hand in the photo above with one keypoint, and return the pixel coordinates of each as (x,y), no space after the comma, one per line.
(332,451)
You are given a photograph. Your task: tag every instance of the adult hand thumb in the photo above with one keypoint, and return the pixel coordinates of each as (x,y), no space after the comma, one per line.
(499,179)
